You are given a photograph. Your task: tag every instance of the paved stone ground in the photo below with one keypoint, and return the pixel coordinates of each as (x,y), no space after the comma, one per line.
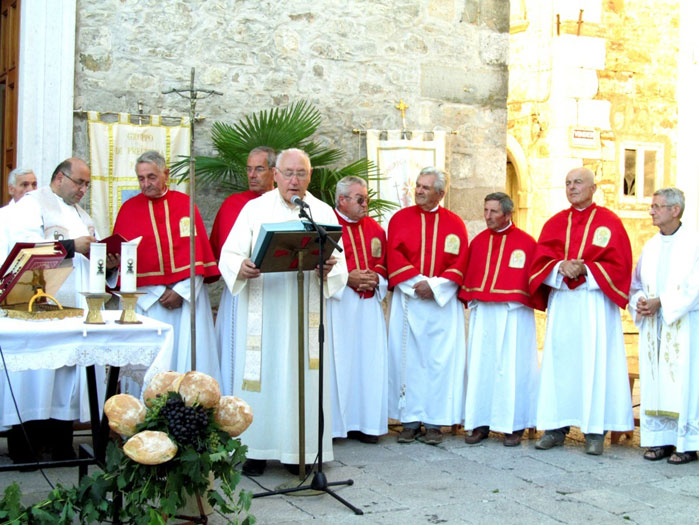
(459,483)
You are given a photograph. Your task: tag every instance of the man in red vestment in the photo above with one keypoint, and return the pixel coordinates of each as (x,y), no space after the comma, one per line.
(161,217)
(503,368)
(583,263)
(359,360)
(260,171)
(427,256)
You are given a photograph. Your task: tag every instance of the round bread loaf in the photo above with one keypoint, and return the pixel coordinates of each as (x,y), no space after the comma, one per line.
(233,414)
(124,412)
(196,387)
(161,384)
(150,447)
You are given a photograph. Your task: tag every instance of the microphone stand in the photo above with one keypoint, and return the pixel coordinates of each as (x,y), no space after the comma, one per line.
(319,481)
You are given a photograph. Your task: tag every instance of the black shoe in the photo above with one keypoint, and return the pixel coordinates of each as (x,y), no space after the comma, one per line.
(254,467)
(362,437)
(293,468)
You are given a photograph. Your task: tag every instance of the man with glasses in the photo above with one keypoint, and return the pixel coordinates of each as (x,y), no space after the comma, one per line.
(161,217)
(260,172)
(583,264)
(266,321)
(665,306)
(359,358)
(52,213)
(427,257)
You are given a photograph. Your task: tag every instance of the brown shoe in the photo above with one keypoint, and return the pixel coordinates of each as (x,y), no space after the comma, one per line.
(478,434)
(408,435)
(514,439)
(433,436)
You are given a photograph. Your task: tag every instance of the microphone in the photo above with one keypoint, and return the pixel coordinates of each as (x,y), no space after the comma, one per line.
(299,202)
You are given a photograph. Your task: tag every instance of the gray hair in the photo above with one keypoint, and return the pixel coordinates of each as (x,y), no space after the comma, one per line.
(270,152)
(673,197)
(151,157)
(280,157)
(441,181)
(504,199)
(343,186)
(17,172)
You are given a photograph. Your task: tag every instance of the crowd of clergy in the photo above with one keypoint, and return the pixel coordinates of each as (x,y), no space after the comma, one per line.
(422,368)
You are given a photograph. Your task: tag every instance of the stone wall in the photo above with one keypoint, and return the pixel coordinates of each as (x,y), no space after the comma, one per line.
(354,60)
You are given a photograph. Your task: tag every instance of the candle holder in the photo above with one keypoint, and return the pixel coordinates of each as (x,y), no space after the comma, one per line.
(128,305)
(94,307)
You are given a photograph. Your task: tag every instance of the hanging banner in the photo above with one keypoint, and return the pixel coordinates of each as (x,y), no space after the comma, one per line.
(400,160)
(114,148)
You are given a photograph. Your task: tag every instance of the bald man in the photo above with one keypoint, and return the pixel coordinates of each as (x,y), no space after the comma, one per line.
(583,263)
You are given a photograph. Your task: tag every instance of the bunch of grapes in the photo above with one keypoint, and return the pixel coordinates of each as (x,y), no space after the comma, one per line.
(186,424)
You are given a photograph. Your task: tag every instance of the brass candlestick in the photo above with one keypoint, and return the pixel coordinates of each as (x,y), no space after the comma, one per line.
(94,307)
(128,305)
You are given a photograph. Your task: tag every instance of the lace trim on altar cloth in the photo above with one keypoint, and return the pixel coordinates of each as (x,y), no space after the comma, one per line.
(57,357)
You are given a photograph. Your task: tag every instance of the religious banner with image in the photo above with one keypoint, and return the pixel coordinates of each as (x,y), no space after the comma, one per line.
(114,148)
(400,160)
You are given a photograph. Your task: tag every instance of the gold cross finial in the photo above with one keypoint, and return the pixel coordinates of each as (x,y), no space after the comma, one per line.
(401,106)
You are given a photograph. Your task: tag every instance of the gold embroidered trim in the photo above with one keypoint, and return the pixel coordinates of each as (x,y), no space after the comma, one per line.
(400,270)
(540,271)
(609,281)
(587,230)
(434,244)
(422,244)
(361,238)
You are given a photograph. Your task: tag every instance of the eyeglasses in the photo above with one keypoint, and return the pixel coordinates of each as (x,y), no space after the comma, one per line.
(656,207)
(79,183)
(360,199)
(300,174)
(257,169)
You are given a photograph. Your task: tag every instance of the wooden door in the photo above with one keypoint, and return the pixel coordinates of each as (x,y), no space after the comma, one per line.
(9,65)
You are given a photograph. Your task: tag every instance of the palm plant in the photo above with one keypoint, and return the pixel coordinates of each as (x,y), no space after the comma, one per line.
(289,127)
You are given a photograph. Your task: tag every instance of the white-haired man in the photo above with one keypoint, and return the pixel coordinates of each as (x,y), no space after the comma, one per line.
(267,318)
(665,306)
(427,256)
(161,217)
(359,358)
(19,182)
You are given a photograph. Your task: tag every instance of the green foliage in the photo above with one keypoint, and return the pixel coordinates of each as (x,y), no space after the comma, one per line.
(289,127)
(148,494)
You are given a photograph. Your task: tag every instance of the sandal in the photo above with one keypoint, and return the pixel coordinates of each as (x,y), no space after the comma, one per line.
(656,453)
(680,458)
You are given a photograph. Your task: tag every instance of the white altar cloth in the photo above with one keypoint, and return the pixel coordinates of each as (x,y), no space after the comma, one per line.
(140,350)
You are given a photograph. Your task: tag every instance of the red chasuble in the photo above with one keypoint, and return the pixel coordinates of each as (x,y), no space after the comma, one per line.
(433,244)
(163,255)
(498,268)
(365,247)
(225,218)
(595,235)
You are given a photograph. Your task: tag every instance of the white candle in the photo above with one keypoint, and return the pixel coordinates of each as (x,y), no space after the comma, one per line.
(128,266)
(98,267)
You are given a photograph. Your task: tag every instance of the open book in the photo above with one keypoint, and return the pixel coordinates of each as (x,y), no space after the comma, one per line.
(31,265)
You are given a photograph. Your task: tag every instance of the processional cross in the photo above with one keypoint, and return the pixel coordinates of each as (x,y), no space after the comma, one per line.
(193,94)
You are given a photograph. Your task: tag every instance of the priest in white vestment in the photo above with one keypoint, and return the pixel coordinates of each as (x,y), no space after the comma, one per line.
(665,306)
(52,213)
(359,359)
(503,368)
(266,372)
(583,261)
(19,182)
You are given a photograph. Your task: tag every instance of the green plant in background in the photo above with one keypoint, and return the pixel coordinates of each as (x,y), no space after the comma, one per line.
(289,127)
(148,494)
